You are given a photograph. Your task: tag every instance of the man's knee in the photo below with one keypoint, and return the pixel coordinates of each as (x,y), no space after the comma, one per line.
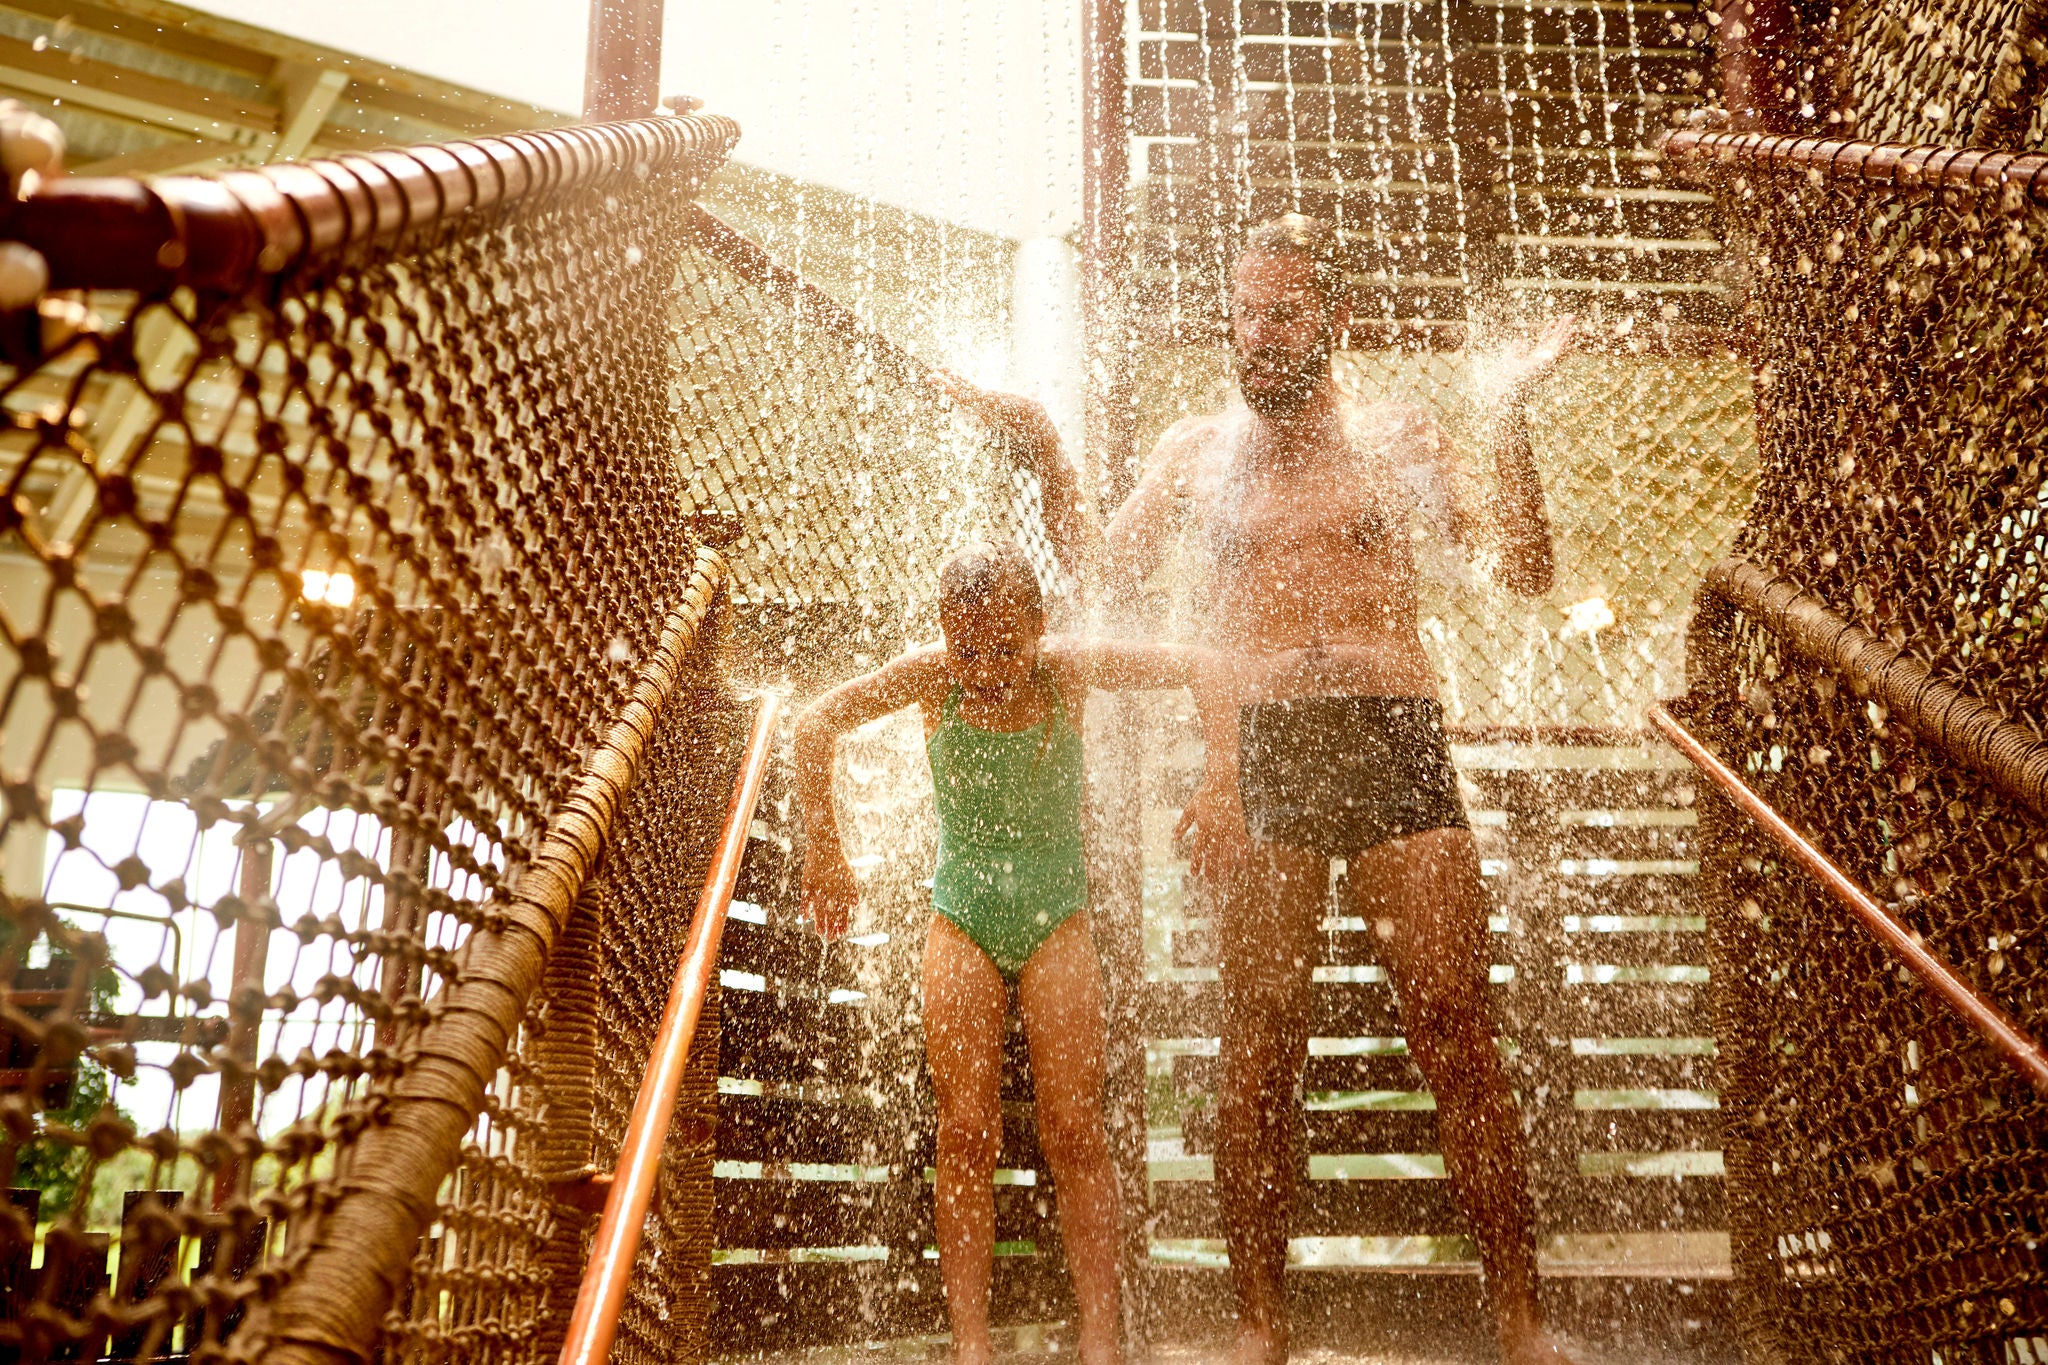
(1452,1041)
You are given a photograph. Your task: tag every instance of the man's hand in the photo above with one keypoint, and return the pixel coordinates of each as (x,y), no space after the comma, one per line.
(1527,368)
(830,892)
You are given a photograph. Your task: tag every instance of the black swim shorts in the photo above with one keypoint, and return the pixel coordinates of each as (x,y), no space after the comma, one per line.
(1336,775)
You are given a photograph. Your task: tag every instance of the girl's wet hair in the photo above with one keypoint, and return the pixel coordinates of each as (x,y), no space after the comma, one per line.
(985,574)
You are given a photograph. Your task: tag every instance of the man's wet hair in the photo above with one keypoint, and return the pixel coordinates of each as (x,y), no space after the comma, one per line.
(1297,234)
(984,574)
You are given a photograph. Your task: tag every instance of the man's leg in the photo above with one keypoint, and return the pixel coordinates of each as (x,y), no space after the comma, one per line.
(1428,907)
(1268,920)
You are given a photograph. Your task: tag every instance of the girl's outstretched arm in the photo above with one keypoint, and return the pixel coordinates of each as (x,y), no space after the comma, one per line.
(1133,665)
(830,893)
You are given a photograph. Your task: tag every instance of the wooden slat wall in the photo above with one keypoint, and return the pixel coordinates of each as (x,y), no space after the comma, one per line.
(824,1212)
(1479,155)
(1589,856)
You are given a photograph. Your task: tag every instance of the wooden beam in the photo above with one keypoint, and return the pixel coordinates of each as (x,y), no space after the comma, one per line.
(369,76)
(622,74)
(158,34)
(308,97)
(446,111)
(181,154)
(133,94)
(1110,456)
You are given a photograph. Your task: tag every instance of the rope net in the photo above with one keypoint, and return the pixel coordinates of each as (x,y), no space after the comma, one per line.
(328,608)
(853,479)
(315,603)
(1885,1167)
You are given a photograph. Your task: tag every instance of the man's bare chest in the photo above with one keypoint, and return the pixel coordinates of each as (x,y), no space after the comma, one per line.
(1261,514)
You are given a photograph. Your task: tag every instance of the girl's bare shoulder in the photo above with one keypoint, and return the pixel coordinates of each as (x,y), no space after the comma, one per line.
(922,670)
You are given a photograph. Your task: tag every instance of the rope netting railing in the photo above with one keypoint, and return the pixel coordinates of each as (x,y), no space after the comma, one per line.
(348,578)
(364,684)
(853,476)
(1871,663)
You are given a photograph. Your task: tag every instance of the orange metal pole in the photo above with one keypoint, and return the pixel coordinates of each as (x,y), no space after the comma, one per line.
(617,1244)
(1997,1028)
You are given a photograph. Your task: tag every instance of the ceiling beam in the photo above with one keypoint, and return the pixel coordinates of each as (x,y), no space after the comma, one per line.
(308,95)
(132,94)
(158,34)
(183,154)
(369,76)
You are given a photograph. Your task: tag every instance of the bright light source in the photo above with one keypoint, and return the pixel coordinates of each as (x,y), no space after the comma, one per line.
(334,589)
(1587,617)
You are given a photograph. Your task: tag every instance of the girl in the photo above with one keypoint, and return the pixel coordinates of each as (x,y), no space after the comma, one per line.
(1002,717)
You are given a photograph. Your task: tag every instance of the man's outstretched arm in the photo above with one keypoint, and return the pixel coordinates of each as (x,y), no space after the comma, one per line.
(1030,438)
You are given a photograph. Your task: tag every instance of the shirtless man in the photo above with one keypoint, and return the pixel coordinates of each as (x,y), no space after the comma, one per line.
(1305,502)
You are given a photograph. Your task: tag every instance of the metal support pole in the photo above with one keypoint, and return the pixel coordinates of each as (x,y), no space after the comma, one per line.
(622,74)
(1756,53)
(1111,470)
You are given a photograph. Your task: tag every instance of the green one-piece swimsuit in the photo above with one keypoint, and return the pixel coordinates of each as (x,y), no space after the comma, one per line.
(1011,867)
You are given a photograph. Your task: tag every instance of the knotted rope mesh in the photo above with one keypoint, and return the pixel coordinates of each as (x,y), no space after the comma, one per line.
(316,601)
(1887,1179)
(340,612)
(853,478)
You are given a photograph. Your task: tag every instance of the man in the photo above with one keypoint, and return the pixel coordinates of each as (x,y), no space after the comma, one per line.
(1304,501)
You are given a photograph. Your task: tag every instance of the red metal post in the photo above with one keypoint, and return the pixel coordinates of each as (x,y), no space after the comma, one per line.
(622,73)
(596,1319)
(1757,57)
(2021,1052)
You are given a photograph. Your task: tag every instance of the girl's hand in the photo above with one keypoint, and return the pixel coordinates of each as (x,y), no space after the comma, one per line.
(1213,829)
(830,892)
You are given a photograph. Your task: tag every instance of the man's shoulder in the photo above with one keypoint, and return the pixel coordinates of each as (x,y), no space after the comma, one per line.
(1190,440)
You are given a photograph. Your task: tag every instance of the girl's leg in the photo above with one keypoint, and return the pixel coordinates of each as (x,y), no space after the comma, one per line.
(964,1004)
(1060,994)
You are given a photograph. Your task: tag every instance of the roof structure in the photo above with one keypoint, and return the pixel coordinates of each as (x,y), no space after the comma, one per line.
(146,87)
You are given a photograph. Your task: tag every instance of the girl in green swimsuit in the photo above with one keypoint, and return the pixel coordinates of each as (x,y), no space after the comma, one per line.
(1002,716)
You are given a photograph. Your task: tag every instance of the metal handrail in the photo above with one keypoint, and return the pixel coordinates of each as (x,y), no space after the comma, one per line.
(1881,165)
(595,1320)
(231,230)
(2020,1051)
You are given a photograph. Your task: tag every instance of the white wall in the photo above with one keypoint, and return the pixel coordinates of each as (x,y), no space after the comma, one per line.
(967,110)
